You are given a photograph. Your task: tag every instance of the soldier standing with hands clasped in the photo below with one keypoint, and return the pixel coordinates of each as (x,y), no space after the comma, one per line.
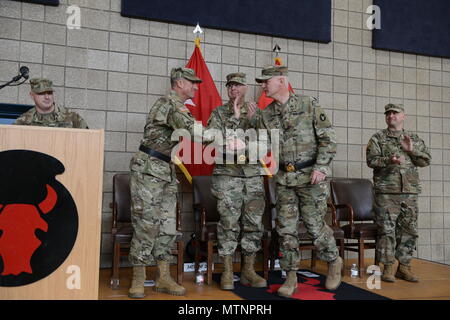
(394,155)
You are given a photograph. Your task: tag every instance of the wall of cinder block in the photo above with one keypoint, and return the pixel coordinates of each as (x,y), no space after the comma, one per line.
(114,68)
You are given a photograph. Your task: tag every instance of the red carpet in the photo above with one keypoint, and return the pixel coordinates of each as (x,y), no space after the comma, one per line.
(308,289)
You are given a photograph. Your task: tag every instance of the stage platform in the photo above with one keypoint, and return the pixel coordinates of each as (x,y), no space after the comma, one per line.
(434,284)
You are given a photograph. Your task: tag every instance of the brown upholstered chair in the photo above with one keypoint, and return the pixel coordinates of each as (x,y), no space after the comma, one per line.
(206,220)
(122,230)
(305,241)
(352,201)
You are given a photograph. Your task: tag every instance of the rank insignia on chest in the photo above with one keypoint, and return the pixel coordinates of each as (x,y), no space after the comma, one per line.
(290,167)
(323,117)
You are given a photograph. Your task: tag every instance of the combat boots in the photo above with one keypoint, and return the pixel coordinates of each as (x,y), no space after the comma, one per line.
(334,274)
(164,282)
(289,286)
(404,272)
(226,280)
(248,274)
(136,290)
(388,273)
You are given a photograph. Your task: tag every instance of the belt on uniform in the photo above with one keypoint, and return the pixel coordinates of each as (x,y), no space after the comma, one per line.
(241,159)
(296,166)
(154,153)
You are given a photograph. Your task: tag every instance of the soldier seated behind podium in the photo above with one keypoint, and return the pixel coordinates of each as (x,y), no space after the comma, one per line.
(45,113)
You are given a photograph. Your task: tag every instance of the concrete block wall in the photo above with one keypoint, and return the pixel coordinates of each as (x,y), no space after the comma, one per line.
(114,68)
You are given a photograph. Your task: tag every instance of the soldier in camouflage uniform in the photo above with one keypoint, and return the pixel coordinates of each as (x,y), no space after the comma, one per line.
(394,155)
(154,186)
(45,113)
(307,146)
(239,190)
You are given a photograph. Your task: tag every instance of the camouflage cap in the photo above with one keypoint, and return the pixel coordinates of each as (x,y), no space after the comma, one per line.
(237,77)
(272,71)
(186,73)
(394,107)
(39,85)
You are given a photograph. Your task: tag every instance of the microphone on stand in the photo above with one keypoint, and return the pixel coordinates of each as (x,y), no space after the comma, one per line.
(24,73)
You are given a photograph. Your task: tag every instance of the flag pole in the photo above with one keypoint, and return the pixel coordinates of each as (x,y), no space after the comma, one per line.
(266,169)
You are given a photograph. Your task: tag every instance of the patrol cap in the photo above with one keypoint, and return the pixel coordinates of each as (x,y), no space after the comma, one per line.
(186,73)
(39,85)
(272,71)
(393,107)
(237,77)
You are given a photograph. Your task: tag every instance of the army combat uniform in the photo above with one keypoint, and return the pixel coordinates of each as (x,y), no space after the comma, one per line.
(307,143)
(59,117)
(396,193)
(153,182)
(154,188)
(239,190)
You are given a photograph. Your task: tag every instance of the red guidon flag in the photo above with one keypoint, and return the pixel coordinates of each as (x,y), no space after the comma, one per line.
(206,99)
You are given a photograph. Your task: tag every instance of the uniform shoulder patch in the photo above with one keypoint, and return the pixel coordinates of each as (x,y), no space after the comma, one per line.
(322,120)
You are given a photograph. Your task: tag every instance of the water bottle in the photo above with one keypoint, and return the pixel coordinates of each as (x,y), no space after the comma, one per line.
(199,278)
(354,271)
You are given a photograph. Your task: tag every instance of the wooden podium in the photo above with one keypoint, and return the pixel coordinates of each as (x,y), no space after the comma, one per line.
(81,153)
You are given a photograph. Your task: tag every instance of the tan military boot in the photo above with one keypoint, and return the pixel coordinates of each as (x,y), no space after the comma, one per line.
(289,286)
(404,272)
(226,280)
(136,290)
(334,274)
(164,282)
(388,273)
(248,274)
